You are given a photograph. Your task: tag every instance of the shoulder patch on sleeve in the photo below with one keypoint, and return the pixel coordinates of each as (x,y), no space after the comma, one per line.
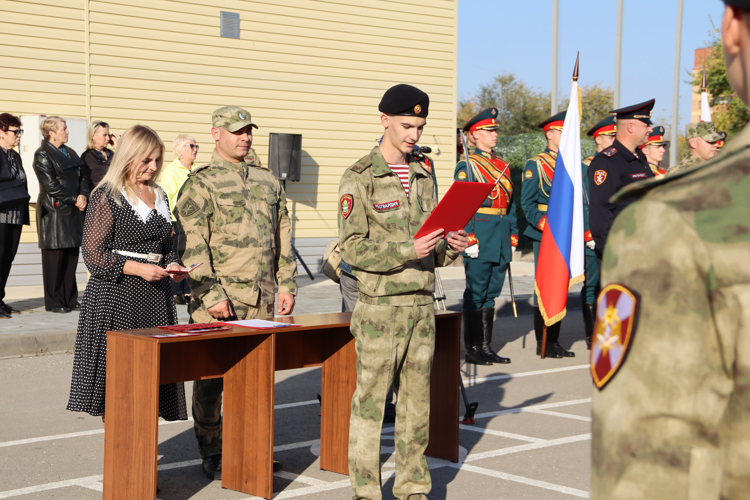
(528,174)
(346,204)
(462,175)
(599,177)
(609,152)
(616,322)
(189,208)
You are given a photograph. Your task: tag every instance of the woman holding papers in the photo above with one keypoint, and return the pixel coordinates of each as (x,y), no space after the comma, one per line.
(127,238)
(493,237)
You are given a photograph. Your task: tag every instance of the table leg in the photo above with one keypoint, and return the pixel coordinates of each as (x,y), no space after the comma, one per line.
(338,385)
(132,412)
(247,457)
(444,397)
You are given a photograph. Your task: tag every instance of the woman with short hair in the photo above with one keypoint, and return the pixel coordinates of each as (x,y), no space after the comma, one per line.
(63,194)
(97,157)
(15,216)
(127,242)
(171,179)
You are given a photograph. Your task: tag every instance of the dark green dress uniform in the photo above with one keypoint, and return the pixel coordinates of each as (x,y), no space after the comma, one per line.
(535,190)
(494,227)
(590,289)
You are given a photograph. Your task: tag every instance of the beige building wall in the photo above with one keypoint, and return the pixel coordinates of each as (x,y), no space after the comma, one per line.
(312,67)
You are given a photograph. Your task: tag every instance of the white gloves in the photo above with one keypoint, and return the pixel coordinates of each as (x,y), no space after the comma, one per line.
(472,251)
(512,250)
(591,245)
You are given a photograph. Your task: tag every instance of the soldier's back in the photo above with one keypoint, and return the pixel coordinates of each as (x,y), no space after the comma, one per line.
(671,358)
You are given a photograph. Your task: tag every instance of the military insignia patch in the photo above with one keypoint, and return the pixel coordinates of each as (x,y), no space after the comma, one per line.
(616,317)
(609,152)
(542,223)
(528,174)
(346,204)
(389,205)
(189,208)
(462,176)
(639,175)
(599,177)
(417,109)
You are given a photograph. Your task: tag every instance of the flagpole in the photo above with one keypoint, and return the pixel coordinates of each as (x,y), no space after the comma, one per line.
(555,52)
(676,89)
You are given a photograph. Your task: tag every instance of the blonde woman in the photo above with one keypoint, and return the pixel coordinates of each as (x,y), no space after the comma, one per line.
(127,247)
(98,156)
(171,179)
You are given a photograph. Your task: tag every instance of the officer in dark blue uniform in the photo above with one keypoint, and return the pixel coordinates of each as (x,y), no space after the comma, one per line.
(493,237)
(621,164)
(604,135)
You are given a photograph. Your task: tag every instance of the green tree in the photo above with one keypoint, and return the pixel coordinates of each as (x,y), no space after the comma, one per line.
(730,113)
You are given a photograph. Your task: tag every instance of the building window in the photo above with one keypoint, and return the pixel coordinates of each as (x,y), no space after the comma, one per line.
(230,24)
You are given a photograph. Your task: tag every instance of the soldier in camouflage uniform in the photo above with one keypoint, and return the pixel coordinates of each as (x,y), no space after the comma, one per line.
(393,321)
(235,221)
(702,138)
(671,412)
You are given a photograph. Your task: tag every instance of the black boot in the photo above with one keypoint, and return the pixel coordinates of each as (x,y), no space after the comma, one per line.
(488,319)
(553,334)
(473,338)
(551,352)
(589,319)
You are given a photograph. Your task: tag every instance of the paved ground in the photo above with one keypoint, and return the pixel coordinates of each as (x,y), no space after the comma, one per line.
(531,439)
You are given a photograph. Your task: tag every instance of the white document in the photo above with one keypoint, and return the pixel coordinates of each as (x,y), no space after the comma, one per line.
(260,324)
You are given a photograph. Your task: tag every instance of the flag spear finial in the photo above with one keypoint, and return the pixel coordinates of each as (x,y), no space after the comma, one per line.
(703,83)
(575,70)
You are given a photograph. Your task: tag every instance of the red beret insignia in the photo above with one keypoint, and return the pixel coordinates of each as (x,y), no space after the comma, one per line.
(346,204)
(616,317)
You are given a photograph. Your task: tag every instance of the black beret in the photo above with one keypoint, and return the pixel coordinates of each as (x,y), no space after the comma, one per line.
(405,100)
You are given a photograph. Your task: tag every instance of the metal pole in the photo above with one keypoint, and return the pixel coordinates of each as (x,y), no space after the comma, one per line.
(555,51)
(618,54)
(676,89)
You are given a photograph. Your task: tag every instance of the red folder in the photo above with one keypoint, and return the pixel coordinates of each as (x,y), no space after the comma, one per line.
(457,207)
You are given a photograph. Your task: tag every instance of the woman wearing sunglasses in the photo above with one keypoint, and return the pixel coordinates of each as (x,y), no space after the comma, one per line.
(171,179)
(97,157)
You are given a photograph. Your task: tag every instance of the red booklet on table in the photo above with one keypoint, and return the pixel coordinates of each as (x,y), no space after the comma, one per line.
(457,207)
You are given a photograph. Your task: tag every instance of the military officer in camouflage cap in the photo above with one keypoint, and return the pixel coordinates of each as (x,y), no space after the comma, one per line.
(493,237)
(671,407)
(701,138)
(394,320)
(654,150)
(604,135)
(535,190)
(235,221)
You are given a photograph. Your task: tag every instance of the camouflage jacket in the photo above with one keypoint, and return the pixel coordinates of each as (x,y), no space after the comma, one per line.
(377,224)
(235,221)
(688,162)
(674,421)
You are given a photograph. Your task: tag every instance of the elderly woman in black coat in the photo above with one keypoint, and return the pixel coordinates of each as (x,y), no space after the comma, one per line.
(63,194)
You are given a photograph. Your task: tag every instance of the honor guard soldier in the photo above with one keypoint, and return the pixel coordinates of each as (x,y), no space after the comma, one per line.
(701,138)
(616,167)
(393,321)
(604,135)
(537,182)
(654,150)
(235,221)
(671,408)
(493,237)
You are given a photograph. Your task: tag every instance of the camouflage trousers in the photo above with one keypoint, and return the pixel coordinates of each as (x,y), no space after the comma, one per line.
(392,343)
(207,393)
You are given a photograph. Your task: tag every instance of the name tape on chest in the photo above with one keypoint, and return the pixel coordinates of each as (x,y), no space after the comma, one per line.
(639,175)
(388,205)
(346,204)
(616,321)
(599,177)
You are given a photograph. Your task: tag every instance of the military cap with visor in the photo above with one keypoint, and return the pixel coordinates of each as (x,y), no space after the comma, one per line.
(608,126)
(656,137)
(555,122)
(640,112)
(704,130)
(740,4)
(486,120)
(231,118)
(405,100)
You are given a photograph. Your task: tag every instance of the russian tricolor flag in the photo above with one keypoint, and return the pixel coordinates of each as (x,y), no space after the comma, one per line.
(561,259)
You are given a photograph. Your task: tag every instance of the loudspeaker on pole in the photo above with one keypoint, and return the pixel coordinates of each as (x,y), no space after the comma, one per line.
(285,156)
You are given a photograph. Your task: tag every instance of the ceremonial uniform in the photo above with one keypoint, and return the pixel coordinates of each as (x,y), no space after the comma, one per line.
(535,190)
(703,130)
(394,320)
(235,222)
(495,230)
(611,170)
(590,289)
(656,138)
(671,412)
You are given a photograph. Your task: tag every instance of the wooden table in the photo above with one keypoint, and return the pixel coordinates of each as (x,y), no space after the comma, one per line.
(247,359)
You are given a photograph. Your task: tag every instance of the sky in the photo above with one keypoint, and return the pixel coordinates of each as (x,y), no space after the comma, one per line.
(497,36)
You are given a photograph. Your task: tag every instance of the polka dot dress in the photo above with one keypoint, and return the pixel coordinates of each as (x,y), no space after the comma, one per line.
(115,301)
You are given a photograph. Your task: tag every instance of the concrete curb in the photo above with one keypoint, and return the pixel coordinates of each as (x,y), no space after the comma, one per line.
(35,344)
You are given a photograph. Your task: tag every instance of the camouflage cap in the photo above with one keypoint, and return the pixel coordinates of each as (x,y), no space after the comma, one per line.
(231,118)
(704,130)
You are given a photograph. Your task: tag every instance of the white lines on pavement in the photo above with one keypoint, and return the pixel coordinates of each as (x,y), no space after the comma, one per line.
(474,381)
(522,409)
(522,480)
(49,486)
(473,457)
(300,403)
(558,414)
(509,435)
(290,476)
